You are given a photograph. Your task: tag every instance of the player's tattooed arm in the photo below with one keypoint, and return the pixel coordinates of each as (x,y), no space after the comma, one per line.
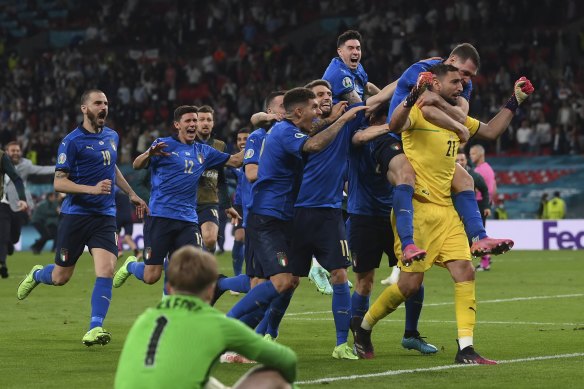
(351,97)
(320,124)
(63,184)
(61,174)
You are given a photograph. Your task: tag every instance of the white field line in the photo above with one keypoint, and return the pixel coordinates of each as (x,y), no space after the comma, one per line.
(387,321)
(429,369)
(513,299)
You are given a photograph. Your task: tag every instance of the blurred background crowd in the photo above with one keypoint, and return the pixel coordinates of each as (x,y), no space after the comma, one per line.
(150,56)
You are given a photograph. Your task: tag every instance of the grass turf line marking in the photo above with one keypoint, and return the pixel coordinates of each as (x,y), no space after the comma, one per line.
(429,369)
(448,321)
(479,302)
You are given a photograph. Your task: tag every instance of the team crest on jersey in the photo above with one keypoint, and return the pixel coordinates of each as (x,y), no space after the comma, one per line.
(200,158)
(147,252)
(62,158)
(347,82)
(248,154)
(101,143)
(396,146)
(299,135)
(64,255)
(113,144)
(282,258)
(187,154)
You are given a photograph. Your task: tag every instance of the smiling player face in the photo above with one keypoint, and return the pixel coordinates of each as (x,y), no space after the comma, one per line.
(324,98)
(350,53)
(187,127)
(241,139)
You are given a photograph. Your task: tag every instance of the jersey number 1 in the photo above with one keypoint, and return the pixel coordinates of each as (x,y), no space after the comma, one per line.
(161,322)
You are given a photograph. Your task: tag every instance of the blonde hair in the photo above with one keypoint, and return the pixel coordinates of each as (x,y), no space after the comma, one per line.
(191,270)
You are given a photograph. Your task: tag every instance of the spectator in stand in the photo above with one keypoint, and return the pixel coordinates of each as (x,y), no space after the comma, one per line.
(524,135)
(559,141)
(543,131)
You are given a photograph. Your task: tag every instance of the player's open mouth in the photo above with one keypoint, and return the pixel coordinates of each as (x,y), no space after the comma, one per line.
(325,105)
(101,115)
(354,60)
(191,131)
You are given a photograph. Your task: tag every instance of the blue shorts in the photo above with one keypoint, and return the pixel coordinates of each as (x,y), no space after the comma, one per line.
(250,268)
(319,232)
(126,224)
(163,236)
(208,213)
(369,237)
(271,242)
(77,231)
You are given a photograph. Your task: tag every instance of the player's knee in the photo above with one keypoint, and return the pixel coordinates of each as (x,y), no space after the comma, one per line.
(462,181)
(364,287)
(151,276)
(409,287)
(210,243)
(60,279)
(339,276)
(262,378)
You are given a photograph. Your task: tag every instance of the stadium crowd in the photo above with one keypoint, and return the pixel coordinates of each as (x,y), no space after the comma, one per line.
(230,54)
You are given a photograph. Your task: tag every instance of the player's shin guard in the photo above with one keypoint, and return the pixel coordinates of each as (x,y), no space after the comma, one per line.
(466,205)
(413,311)
(45,275)
(237,254)
(341,307)
(100,301)
(359,305)
(259,296)
(466,311)
(277,310)
(404,213)
(240,283)
(252,319)
(137,269)
(386,303)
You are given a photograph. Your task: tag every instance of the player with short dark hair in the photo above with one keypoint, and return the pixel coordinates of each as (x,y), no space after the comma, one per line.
(346,74)
(399,171)
(157,353)
(435,221)
(176,164)
(86,170)
(274,192)
(212,191)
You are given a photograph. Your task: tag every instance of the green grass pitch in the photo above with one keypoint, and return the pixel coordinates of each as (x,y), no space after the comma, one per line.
(530,316)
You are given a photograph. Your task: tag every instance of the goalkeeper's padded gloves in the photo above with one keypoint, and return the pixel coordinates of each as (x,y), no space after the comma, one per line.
(521,90)
(424,81)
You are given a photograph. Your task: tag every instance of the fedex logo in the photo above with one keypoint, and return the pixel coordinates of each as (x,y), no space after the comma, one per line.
(565,240)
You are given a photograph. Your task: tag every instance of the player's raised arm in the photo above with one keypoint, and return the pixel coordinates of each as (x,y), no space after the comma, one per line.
(400,117)
(498,124)
(143,160)
(324,138)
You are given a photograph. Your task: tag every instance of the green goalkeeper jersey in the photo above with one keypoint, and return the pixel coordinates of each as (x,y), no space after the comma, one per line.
(176,344)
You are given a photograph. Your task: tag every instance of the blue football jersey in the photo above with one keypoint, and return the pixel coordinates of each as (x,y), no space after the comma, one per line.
(175,178)
(89,158)
(240,176)
(343,80)
(324,173)
(370,193)
(279,171)
(409,78)
(251,155)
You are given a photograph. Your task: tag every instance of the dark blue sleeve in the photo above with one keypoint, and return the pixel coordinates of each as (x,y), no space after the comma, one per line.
(213,157)
(253,147)
(293,141)
(66,155)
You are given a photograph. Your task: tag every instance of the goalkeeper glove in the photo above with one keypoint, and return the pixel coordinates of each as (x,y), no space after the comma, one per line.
(423,83)
(521,91)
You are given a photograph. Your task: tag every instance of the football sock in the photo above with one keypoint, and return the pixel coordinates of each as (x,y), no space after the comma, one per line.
(413,311)
(45,275)
(165,266)
(466,308)
(237,255)
(341,307)
(466,205)
(262,326)
(259,296)
(137,269)
(404,213)
(240,283)
(359,305)
(252,319)
(386,303)
(277,310)
(100,301)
